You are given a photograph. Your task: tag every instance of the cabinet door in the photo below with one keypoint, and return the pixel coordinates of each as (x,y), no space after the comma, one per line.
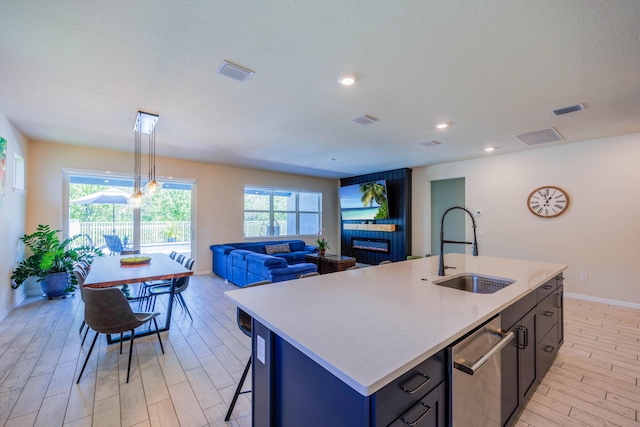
(528,371)
(427,412)
(509,377)
(518,369)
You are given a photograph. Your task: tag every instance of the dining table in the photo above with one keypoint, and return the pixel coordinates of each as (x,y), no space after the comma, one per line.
(107,271)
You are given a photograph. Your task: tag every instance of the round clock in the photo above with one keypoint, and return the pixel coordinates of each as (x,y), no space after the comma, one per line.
(548,201)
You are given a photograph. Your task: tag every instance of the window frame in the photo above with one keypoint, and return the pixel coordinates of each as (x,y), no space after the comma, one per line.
(271,212)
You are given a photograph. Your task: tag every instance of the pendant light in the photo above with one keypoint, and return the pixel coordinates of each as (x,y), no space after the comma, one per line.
(145,123)
(152,187)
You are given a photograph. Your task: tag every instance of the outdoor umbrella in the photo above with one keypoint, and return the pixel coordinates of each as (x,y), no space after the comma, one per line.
(111,196)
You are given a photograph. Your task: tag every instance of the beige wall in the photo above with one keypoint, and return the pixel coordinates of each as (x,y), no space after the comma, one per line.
(12,218)
(219,191)
(599,234)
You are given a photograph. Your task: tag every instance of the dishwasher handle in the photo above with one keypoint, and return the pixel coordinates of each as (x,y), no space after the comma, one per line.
(473,367)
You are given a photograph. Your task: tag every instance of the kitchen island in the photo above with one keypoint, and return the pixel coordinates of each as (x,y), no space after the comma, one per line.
(364,329)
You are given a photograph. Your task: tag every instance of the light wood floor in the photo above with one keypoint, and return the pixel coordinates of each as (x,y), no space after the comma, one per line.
(594,381)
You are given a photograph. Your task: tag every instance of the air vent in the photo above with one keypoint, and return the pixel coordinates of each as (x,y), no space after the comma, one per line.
(365,120)
(234,71)
(540,137)
(567,110)
(430,143)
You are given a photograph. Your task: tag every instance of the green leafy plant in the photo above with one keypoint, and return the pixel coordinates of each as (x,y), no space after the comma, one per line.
(50,255)
(322,243)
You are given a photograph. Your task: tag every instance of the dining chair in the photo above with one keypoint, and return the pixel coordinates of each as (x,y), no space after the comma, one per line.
(114,244)
(143,291)
(180,259)
(173,254)
(107,311)
(243,319)
(80,274)
(181,285)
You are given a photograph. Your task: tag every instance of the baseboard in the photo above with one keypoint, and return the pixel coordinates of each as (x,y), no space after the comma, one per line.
(9,309)
(603,300)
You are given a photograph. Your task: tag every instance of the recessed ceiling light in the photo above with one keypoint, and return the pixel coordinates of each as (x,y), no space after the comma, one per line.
(332,159)
(442,125)
(348,80)
(489,148)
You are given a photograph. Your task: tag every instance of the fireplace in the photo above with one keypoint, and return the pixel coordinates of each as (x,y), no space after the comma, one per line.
(372,245)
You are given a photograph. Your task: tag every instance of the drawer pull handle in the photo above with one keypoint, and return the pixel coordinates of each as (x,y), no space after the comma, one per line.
(548,313)
(547,287)
(549,349)
(413,423)
(560,279)
(419,386)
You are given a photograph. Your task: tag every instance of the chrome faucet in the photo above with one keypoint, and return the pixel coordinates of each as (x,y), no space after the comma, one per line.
(474,244)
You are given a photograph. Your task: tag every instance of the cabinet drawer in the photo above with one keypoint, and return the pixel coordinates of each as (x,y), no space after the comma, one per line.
(427,412)
(546,289)
(546,316)
(517,310)
(546,352)
(403,392)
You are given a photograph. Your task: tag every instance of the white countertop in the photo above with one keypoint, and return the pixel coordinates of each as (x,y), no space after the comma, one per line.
(370,325)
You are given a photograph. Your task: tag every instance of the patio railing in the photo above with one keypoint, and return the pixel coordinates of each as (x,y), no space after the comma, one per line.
(151,232)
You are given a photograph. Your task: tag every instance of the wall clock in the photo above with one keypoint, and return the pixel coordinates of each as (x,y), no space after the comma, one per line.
(548,202)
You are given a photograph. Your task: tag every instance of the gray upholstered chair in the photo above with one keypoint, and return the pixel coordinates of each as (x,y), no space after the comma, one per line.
(107,311)
(80,272)
(182,284)
(244,324)
(173,254)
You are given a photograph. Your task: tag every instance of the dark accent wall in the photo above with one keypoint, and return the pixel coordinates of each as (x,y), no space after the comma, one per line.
(399,199)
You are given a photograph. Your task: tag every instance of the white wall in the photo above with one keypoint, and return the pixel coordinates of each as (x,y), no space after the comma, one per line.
(12,218)
(598,235)
(219,195)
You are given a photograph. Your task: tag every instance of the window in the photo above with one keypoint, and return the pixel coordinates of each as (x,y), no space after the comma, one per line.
(279,212)
(18,173)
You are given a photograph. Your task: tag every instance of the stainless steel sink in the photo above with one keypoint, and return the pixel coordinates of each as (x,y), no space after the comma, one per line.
(475,283)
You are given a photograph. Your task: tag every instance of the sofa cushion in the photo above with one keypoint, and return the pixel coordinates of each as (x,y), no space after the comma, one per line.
(277,249)
(297,245)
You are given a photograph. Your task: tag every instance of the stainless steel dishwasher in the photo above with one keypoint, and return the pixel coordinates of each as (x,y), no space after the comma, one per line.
(475,371)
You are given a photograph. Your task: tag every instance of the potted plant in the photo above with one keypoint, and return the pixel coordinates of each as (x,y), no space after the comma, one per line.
(323,245)
(172,233)
(51,261)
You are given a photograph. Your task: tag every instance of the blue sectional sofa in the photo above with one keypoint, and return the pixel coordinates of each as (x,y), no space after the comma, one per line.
(248,262)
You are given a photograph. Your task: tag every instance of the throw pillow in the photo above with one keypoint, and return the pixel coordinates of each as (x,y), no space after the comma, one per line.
(277,249)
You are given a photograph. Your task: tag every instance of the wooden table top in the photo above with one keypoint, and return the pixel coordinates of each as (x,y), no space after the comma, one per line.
(106,271)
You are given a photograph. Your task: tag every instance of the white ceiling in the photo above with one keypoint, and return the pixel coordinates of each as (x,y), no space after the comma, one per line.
(76,72)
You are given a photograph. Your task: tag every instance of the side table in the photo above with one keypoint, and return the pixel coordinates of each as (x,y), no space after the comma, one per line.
(330,263)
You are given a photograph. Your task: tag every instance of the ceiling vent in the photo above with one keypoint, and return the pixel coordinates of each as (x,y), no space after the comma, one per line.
(430,143)
(567,110)
(234,71)
(365,120)
(540,137)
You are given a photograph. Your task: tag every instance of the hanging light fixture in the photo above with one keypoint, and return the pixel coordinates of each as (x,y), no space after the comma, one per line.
(149,123)
(145,123)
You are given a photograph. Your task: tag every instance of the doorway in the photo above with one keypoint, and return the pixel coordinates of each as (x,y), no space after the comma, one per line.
(446,193)
(163,224)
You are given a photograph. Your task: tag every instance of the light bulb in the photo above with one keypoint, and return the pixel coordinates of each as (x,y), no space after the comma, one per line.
(137,199)
(152,188)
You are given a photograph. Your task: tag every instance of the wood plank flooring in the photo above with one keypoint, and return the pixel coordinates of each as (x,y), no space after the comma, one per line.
(594,381)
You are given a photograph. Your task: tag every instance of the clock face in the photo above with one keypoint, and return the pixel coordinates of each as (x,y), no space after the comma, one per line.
(548,202)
